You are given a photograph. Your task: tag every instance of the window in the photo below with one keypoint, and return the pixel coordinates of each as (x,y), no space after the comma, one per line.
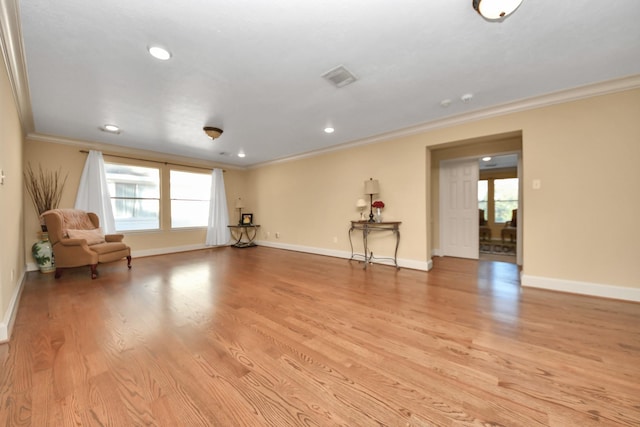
(190,193)
(505,196)
(135,196)
(483,197)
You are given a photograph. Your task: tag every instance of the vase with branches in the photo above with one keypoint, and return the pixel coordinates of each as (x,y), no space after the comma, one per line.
(44,188)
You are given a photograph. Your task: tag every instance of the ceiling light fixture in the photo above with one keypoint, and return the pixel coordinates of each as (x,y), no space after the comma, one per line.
(495,10)
(110,128)
(212,132)
(241,154)
(486,159)
(159,53)
(329,130)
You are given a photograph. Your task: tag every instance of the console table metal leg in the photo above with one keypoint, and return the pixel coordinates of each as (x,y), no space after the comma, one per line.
(351,243)
(395,255)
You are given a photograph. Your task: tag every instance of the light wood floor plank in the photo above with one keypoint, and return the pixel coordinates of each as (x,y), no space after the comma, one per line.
(265,337)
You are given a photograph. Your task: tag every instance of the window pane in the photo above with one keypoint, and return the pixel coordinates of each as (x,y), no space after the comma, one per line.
(506,198)
(189,199)
(189,213)
(135,196)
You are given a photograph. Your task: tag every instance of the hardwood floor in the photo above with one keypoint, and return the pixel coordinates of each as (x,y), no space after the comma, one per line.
(265,337)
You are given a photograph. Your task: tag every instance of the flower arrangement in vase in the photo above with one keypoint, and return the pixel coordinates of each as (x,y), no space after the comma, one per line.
(378,205)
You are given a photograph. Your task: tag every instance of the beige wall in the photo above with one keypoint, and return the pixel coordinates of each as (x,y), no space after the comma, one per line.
(585,153)
(70,160)
(12,250)
(311,202)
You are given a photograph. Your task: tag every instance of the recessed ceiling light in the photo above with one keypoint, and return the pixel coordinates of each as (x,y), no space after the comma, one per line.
(110,129)
(329,130)
(241,154)
(159,53)
(486,159)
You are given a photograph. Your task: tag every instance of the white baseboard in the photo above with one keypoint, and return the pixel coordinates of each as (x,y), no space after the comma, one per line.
(582,288)
(406,263)
(9,318)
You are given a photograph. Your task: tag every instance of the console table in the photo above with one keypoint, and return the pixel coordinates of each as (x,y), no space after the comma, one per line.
(368,227)
(249,231)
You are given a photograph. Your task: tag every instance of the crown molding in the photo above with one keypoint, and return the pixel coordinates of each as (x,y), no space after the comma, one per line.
(574,94)
(119,150)
(13,54)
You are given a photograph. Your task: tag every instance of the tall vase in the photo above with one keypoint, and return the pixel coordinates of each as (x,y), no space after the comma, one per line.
(378,216)
(43,254)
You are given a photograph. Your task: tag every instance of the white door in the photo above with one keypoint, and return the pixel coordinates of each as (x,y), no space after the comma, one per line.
(459,208)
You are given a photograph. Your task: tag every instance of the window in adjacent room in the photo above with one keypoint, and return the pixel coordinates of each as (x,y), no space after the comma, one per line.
(135,196)
(190,194)
(505,196)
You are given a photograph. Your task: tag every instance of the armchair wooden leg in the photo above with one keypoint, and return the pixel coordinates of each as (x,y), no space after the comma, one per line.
(58,273)
(129,262)
(94,271)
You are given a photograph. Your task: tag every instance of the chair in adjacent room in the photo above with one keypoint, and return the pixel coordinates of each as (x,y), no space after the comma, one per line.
(485,230)
(78,240)
(510,230)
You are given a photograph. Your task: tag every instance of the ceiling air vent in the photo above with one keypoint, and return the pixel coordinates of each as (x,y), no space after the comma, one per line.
(340,76)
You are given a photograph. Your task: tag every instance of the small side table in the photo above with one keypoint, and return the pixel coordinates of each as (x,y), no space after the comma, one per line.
(249,231)
(367,227)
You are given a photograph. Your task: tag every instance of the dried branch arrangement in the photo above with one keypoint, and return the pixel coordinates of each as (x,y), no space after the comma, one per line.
(45,188)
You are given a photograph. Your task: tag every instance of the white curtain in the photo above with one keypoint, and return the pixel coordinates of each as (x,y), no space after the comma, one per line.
(93,193)
(217,230)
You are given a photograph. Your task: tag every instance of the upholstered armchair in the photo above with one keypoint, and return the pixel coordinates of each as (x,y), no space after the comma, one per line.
(77,240)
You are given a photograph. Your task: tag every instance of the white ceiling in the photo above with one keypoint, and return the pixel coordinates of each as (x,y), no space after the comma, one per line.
(254,67)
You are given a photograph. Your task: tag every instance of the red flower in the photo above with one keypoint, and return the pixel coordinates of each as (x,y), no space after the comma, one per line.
(378,204)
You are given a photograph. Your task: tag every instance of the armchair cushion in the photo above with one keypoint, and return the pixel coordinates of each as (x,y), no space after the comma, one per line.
(92,237)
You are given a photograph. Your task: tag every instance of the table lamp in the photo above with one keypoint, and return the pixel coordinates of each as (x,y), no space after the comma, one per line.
(371,187)
(239,206)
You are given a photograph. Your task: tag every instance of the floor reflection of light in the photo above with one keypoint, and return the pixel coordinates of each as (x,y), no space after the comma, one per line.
(499,282)
(186,295)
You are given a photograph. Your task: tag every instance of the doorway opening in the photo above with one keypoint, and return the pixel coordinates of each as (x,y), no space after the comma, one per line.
(498,201)
(505,147)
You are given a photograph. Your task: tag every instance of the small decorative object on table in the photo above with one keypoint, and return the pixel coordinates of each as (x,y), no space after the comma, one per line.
(378,204)
(361,204)
(247,219)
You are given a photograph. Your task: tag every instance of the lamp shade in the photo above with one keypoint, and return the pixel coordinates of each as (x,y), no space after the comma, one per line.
(495,9)
(239,203)
(361,203)
(372,186)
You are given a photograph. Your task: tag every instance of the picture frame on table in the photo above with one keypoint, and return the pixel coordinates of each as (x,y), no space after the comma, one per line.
(247,219)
